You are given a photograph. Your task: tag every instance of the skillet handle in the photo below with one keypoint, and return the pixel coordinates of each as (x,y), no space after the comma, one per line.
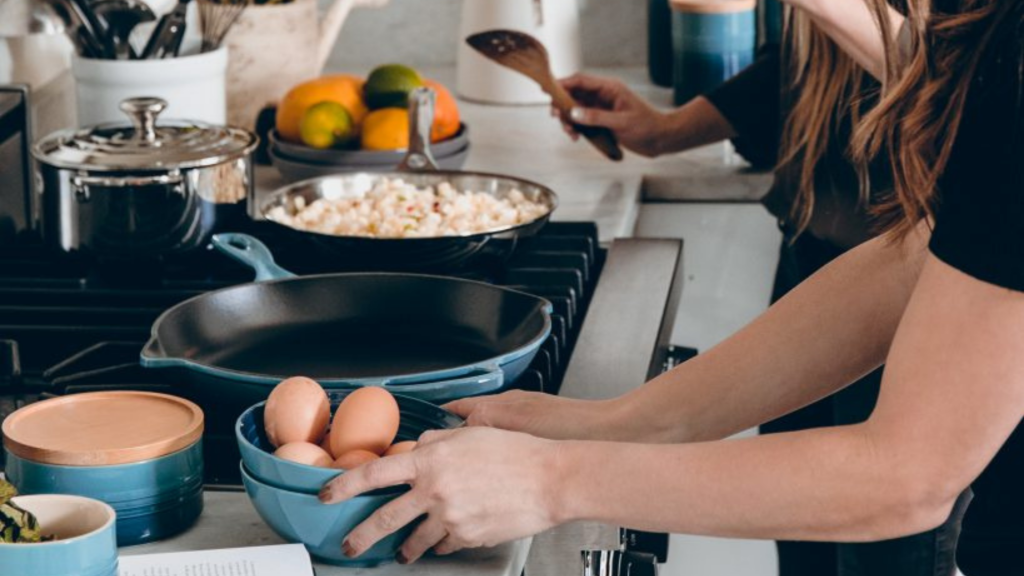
(448,390)
(252,253)
(421,119)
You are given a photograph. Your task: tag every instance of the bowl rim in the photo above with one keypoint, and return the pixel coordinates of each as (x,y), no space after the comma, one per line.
(20,500)
(387,491)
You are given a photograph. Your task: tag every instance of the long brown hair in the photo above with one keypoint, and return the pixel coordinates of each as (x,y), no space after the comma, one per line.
(919,115)
(826,84)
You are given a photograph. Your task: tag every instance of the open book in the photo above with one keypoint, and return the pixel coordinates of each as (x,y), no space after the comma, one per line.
(283,560)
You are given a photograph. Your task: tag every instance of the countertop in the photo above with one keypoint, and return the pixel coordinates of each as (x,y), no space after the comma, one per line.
(524,142)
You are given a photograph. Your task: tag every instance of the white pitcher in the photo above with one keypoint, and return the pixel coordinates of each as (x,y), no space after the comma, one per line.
(555,23)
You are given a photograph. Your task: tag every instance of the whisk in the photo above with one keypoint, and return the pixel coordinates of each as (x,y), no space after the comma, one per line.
(216,19)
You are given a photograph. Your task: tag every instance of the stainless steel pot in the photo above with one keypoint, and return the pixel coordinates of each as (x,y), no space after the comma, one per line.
(142,190)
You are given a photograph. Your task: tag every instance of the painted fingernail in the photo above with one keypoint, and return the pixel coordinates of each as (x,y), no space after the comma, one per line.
(400,558)
(348,550)
(576,114)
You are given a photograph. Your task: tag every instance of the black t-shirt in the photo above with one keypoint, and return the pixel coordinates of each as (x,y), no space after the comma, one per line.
(979,230)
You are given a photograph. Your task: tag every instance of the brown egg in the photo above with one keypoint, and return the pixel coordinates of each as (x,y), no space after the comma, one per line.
(305,453)
(401,448)
(354,459)
(367,419)
(297,411)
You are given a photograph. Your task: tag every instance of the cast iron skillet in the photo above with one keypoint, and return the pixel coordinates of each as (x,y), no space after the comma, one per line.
(430,337)
(419,169)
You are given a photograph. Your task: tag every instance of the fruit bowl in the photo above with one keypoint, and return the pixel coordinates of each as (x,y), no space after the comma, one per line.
(417,416)
(363,158)
(294,170)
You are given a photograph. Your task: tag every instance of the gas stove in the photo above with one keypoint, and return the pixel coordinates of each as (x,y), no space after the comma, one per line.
(68,327)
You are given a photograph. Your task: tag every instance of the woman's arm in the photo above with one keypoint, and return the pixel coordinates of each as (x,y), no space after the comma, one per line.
(825,334)
(953,391)
(851,24)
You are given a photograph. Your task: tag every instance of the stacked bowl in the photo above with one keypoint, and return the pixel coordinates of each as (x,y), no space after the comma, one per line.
(85,543)
(139,452)
(284,493)
(299,162)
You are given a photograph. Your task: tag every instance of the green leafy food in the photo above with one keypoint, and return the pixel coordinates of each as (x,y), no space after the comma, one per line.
(17,525)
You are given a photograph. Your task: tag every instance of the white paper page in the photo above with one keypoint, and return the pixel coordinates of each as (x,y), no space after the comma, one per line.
(283,560)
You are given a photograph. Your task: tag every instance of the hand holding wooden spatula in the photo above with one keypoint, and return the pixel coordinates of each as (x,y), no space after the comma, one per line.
(526,55)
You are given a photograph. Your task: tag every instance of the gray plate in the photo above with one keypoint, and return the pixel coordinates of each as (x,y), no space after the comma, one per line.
(294,170)
(305,154)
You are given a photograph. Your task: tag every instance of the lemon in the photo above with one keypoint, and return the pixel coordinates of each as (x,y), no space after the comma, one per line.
(327,125)
(389,86)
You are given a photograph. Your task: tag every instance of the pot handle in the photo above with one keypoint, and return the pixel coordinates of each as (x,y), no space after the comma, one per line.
(421,119)
(252,253)
(475,384)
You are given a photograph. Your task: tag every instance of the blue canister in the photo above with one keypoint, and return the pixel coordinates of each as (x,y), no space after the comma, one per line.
(713,40)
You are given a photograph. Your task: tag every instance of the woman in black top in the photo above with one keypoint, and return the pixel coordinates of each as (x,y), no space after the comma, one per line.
(943,311)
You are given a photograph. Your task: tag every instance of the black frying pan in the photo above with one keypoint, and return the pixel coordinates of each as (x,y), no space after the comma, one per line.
(431,337)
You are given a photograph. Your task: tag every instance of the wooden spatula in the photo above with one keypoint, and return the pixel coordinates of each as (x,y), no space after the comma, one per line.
(526,55)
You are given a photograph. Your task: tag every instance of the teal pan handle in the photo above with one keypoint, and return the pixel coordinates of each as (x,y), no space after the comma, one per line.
(475,384)
(252,253)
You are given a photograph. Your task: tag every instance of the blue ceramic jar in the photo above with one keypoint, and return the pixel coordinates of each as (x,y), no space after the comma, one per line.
(712,40)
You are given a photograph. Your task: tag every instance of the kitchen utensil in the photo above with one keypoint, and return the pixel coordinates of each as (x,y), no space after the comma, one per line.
(139,452)
(713,40)
(384,158)
(525,54)
(166,39)
(94,26)
(79,29)
(145,190)
(216,19)
(430,337)
(193,86)
(417,417)
(430,253)
(294,170)
(275,46)
(85,544)
(302,518)
(555,23)
(122,16)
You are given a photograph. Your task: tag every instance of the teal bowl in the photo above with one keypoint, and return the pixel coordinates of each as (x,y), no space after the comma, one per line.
(154,499)
(321,528)
(86,543)
(417,416)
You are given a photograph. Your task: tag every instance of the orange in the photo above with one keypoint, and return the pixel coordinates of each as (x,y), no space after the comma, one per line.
(446,113)
(344,89)
(386,129)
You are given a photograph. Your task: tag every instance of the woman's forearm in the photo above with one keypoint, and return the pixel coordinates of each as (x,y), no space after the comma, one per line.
(696,123)
(851,24)
(825,334)
(826,485)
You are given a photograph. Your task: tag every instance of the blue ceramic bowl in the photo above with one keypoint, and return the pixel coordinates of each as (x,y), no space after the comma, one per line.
(417,416)
(321,528)
(86,544)
(153,499)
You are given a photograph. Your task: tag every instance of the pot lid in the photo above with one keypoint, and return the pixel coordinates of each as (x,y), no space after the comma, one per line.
(144,144)
(102,428)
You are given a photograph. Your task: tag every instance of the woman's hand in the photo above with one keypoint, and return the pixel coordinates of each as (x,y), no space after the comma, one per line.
(476,486)
(542,415)
(609,103)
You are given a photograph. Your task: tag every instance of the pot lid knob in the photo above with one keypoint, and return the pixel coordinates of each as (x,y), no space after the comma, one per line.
(143,112)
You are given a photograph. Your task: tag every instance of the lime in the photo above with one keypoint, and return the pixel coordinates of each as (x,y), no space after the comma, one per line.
(389,86)
(327,125)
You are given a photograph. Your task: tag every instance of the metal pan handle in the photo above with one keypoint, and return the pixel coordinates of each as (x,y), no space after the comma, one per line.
(421,119)
(252,253)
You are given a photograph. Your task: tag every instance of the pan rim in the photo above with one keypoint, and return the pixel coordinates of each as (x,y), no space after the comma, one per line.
(484,367)
(274,197)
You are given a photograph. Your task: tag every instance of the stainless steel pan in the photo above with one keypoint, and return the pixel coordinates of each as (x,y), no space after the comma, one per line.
(419,169)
